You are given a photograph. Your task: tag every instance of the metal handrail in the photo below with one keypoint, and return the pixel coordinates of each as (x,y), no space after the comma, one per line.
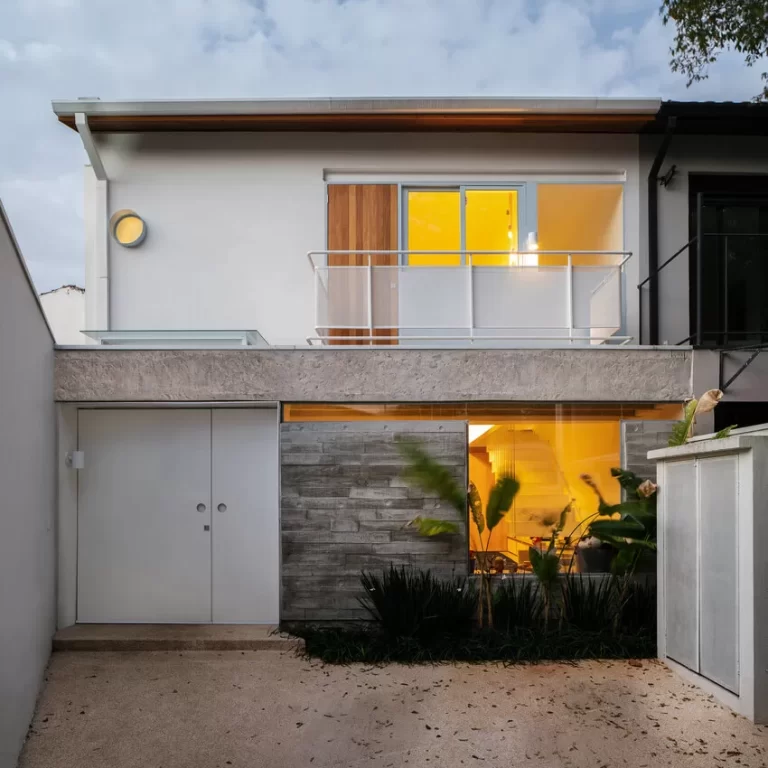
(653,275)
(626,255)
(469,270)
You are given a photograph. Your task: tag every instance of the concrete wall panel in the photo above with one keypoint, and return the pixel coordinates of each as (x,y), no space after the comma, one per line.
(368,375)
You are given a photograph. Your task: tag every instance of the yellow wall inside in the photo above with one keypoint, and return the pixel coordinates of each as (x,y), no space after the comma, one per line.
(434,223)
(580,217)
(579,447)
(491,224)
(584,447)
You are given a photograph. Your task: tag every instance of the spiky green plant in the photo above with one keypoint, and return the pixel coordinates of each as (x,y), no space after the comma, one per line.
(589,604)
(516,605)
(407,603)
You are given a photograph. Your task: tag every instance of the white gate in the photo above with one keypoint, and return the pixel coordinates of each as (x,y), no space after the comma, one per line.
(713,567)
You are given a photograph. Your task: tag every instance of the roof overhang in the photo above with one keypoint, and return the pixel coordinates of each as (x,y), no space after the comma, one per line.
(552,115)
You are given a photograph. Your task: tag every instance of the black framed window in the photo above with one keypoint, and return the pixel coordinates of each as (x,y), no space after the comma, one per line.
(729,218)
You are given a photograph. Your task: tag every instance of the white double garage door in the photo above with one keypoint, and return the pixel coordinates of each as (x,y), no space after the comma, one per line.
(178,516)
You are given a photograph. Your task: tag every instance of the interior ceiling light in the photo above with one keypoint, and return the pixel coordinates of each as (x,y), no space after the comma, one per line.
(128,228)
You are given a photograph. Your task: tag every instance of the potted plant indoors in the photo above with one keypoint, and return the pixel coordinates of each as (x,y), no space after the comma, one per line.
(594,555)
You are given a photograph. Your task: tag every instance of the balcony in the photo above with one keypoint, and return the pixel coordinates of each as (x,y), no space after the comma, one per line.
(481,298)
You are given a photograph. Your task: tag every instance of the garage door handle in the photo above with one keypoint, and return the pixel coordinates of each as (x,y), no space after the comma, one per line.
(222,507)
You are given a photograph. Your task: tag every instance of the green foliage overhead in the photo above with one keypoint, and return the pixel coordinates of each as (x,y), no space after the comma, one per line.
(706,28)
(500,500)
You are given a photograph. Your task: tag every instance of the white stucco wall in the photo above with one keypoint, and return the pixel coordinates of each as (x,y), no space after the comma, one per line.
(27,498)
(65,309)
(691,154)
(231,216)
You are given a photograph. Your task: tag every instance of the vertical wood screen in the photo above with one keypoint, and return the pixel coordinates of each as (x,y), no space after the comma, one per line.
(362,218)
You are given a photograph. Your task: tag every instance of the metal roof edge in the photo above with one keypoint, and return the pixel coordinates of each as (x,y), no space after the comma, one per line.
(358,106)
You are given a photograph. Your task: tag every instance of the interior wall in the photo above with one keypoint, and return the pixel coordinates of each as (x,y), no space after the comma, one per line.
(580,217)
(27,480)
(577,448)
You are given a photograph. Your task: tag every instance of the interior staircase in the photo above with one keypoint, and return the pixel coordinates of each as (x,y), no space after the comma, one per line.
(544,492)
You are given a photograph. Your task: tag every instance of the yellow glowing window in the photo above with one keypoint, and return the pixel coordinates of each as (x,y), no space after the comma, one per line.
(491,225)
(434,224)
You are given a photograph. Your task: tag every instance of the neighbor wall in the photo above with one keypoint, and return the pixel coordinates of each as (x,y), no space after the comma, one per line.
(691,154)
(27,480)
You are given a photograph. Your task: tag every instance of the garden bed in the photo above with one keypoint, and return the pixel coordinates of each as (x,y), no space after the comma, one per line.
(416,618)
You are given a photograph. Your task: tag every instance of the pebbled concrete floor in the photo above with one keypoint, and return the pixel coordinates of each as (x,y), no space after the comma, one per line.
(271,708)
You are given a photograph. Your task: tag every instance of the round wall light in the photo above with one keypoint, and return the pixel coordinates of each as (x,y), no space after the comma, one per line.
(128,228)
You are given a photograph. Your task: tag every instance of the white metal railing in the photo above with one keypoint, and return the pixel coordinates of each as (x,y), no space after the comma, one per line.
(578,301)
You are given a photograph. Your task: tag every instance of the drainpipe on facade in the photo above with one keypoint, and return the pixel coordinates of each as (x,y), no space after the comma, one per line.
(653,232)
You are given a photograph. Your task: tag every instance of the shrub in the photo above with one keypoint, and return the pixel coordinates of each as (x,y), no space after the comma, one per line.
(589,604)
(416,605)
(516,604)
(638,609)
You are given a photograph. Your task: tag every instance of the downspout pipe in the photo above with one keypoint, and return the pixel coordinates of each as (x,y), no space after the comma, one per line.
(81,122)
(653,232)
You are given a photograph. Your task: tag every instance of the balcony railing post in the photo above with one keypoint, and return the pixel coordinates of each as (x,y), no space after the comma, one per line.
(569,302)
(471,298)
(317,300)
(370,300)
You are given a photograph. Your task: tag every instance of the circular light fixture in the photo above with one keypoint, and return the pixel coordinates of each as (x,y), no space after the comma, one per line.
(128,228)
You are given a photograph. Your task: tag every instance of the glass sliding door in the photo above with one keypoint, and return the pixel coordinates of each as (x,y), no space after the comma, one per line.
(491,223)
(433,223)
(460,220)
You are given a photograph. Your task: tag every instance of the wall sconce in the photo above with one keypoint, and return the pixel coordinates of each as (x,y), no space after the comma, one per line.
(128,228)
(532,241)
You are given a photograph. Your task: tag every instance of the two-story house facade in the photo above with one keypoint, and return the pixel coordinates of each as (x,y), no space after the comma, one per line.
(280,292)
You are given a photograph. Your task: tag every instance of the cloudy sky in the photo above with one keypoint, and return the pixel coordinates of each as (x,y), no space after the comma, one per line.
(255,48)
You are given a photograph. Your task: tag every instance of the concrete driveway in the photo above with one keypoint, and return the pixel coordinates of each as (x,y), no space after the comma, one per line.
(270,708)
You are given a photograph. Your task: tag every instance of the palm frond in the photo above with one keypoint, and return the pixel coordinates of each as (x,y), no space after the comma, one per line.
(431,476)
(431,526)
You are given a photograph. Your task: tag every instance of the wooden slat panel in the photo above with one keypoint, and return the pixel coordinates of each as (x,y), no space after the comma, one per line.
(361,217)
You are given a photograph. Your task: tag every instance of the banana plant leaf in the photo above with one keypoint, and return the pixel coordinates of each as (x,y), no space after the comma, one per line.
(500,500)
(546,565)
(476,507)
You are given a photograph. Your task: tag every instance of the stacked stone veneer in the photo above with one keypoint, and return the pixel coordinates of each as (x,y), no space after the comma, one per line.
(639,437)
(345,507)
